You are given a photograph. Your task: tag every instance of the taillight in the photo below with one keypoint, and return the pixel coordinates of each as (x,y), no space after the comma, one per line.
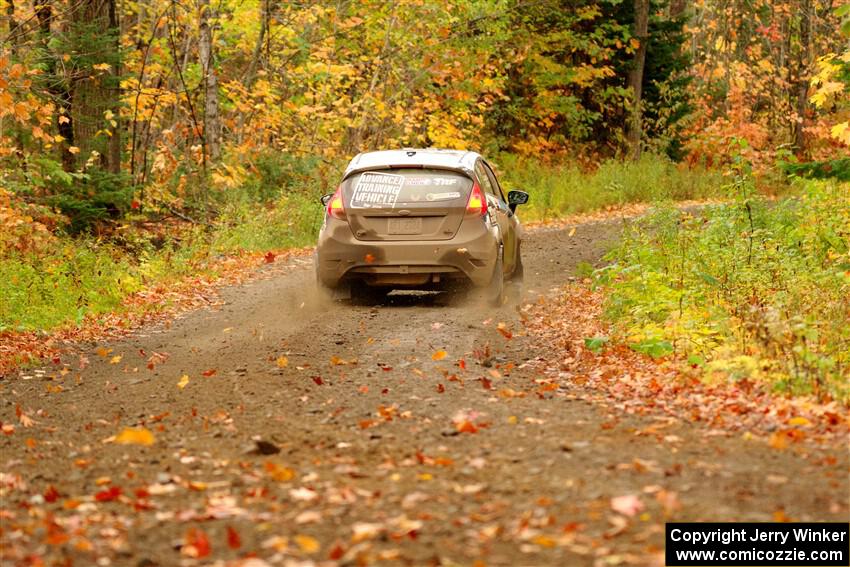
(477,203)
(335,206)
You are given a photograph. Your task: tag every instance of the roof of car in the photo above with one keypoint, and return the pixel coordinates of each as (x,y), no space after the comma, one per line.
(413,157)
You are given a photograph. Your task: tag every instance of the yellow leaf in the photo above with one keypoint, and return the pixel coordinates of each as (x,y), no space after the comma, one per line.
(282,362)
(279,473)
(135,436)
(307,543)
(439,355)
(543,541)
(572,232)
(101,66)
(799,421)
(115,359)
(74,150)
(183,381)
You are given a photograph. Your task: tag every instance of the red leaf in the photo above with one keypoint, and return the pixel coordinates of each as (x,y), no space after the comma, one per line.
(233,539)
(269,257)
(134,204)
(197,544)
(318,380)
(462,364)
(440,388)
(108,495)
(488,385)
(336,552)
(208,373)
(51,494)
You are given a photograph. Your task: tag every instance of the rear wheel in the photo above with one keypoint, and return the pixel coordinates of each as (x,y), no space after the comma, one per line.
(494,293)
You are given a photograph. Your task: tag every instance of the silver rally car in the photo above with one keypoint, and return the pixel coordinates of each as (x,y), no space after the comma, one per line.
(419,219)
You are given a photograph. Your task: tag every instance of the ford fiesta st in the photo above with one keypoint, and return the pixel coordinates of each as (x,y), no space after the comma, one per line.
(419,219)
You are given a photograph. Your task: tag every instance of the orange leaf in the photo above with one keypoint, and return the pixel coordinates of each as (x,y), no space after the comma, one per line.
(369,258)
(466,426)
(439,355)
(503,329)
(135,436)
(209,373)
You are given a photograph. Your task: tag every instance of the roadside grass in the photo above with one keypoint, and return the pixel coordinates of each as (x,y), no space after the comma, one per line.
(747,290)
(565,189)
(274,207)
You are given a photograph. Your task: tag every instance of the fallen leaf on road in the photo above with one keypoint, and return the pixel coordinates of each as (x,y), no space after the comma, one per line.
(108,495)
(627,505)
(233,539)
(209,373)
(135,436)
(439,355)
(184,380)
(115,359)
(307,543)
(303,494)
(279,473)
(196,544)
(503,329)
(282,362)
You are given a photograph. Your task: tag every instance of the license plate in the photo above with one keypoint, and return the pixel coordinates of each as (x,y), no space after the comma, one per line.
(404,226)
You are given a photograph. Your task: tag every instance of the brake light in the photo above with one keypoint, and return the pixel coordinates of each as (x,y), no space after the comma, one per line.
(335,206)
(477,204)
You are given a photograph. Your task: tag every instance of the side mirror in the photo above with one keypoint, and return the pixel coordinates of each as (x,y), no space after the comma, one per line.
(326,199)
(516,198)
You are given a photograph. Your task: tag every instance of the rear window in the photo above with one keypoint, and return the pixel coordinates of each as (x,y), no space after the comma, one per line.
(406,188)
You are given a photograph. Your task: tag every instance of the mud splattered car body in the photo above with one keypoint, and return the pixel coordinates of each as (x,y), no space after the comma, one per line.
(419,219)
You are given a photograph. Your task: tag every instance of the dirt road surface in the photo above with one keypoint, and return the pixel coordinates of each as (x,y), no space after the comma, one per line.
(388,453)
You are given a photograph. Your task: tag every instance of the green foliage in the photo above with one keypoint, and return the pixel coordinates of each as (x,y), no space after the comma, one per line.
(830,169)
(565,189)
(79,278)
(96,197)
(759,290)
(571,85)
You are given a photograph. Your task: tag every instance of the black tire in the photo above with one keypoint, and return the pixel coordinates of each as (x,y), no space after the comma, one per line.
(519,271)
(494,293)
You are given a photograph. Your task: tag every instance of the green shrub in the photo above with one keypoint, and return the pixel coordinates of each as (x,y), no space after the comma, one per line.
(759,290)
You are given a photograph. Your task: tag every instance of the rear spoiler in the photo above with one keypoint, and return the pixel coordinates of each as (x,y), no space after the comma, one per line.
(462,170)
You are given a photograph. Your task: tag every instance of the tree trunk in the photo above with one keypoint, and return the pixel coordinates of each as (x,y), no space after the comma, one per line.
(803,78)
(95,92)
(13,26)
(212,126)
(634,126)
(58,88)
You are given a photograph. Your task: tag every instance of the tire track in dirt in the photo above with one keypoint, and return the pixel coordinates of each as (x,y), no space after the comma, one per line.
(371,466)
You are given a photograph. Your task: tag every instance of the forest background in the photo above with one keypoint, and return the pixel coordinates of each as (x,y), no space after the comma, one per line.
(142,141)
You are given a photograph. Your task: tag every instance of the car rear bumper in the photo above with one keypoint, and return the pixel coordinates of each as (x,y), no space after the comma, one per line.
(470,254)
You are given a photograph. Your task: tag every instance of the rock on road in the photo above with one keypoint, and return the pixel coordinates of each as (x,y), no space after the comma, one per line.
(364,457)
